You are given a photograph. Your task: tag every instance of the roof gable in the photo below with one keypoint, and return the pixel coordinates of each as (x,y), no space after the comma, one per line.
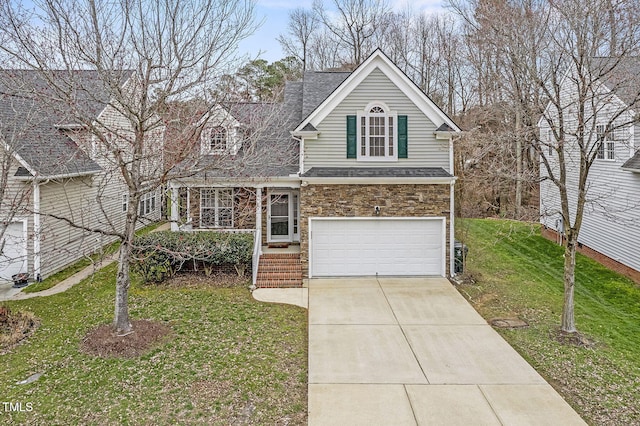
(378,61)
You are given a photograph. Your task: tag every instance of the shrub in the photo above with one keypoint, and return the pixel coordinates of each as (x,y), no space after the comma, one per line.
(160,255)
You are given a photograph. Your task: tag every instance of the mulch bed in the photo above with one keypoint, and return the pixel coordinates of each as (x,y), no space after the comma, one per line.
(106,343)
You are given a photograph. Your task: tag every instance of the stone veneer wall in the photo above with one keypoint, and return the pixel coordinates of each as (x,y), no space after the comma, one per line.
(359,201)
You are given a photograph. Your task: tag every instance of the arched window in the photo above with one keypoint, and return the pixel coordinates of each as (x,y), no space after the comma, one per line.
(376,133)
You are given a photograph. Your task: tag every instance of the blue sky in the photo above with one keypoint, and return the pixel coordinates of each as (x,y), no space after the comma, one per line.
(274,13)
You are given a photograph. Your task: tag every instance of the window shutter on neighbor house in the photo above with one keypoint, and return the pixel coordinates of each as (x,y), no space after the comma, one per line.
(403,151)
(352,136)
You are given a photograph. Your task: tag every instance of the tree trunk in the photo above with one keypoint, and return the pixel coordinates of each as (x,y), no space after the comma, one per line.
(518,200)
(121,321)
(568,318)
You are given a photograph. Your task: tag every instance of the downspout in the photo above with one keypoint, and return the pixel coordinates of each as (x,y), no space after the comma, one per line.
(452,237)
(301,154)
(37,260)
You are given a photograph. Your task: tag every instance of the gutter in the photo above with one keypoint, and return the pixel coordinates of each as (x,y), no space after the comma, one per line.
(55,177)
(377,180)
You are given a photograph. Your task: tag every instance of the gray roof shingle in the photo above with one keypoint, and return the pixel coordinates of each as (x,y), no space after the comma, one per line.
(633,163)
(31,132)
(31,118)
(317,86)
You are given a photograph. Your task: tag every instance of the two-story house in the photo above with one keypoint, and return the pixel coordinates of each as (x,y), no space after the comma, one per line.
(610,229)
(362,184)
(56,184)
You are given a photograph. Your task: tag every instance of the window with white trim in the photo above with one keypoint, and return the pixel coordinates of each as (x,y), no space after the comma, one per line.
(376,133)
(550,140)
(606,144)
(147,204)
(125,202)
(216,208)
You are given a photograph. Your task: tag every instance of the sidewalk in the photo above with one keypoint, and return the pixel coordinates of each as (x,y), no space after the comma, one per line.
(7,292)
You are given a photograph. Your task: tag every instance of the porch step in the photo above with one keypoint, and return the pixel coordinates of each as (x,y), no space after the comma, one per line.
(277,270)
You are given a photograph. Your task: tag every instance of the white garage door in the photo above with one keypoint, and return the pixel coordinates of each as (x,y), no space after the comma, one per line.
(353,247)
(13,256)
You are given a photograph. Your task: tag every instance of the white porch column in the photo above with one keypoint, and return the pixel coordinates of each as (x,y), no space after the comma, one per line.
(259,214)
(175,206)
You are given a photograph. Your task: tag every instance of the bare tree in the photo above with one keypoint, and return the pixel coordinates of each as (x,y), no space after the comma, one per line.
(568,71)
(164,50)
(300,30)
(356,24)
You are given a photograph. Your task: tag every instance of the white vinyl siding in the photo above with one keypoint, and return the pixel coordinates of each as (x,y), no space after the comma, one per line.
(329,150)
(62,244)
(611,224)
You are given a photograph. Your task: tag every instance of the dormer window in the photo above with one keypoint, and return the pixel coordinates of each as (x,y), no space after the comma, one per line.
(220,140)
(377,127)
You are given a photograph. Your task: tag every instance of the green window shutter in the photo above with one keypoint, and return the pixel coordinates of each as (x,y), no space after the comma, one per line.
(403,151)
(352,136)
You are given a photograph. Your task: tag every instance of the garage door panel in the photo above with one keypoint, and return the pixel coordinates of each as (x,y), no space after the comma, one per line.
(351,247)
(12,257)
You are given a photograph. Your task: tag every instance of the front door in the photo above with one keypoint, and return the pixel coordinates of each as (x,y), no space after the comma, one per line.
(282,216)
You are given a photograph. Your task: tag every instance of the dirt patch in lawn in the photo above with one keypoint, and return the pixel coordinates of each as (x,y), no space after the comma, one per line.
(104,342)
(573,339)
(15,327)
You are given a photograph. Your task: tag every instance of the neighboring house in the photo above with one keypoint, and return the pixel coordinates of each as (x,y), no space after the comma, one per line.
(53,173)
(361,183)
(610,230)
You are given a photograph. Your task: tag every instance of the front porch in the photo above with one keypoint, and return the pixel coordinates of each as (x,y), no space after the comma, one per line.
(272,214)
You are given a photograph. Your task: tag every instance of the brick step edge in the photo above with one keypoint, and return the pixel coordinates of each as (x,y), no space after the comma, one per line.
(279,284)
(275,277)
(283,268)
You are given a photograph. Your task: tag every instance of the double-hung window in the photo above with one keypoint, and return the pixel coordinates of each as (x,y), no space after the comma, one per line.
(377,127)
(216,208)
(606,144)
(147,203)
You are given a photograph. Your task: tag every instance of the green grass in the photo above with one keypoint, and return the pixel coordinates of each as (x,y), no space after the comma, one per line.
(230,355)
(78,266)
(519,274)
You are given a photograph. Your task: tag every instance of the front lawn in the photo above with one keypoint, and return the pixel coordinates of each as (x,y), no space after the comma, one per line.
(518,274)
(230,360)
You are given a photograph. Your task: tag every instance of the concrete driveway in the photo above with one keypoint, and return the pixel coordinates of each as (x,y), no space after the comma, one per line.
(412,351)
